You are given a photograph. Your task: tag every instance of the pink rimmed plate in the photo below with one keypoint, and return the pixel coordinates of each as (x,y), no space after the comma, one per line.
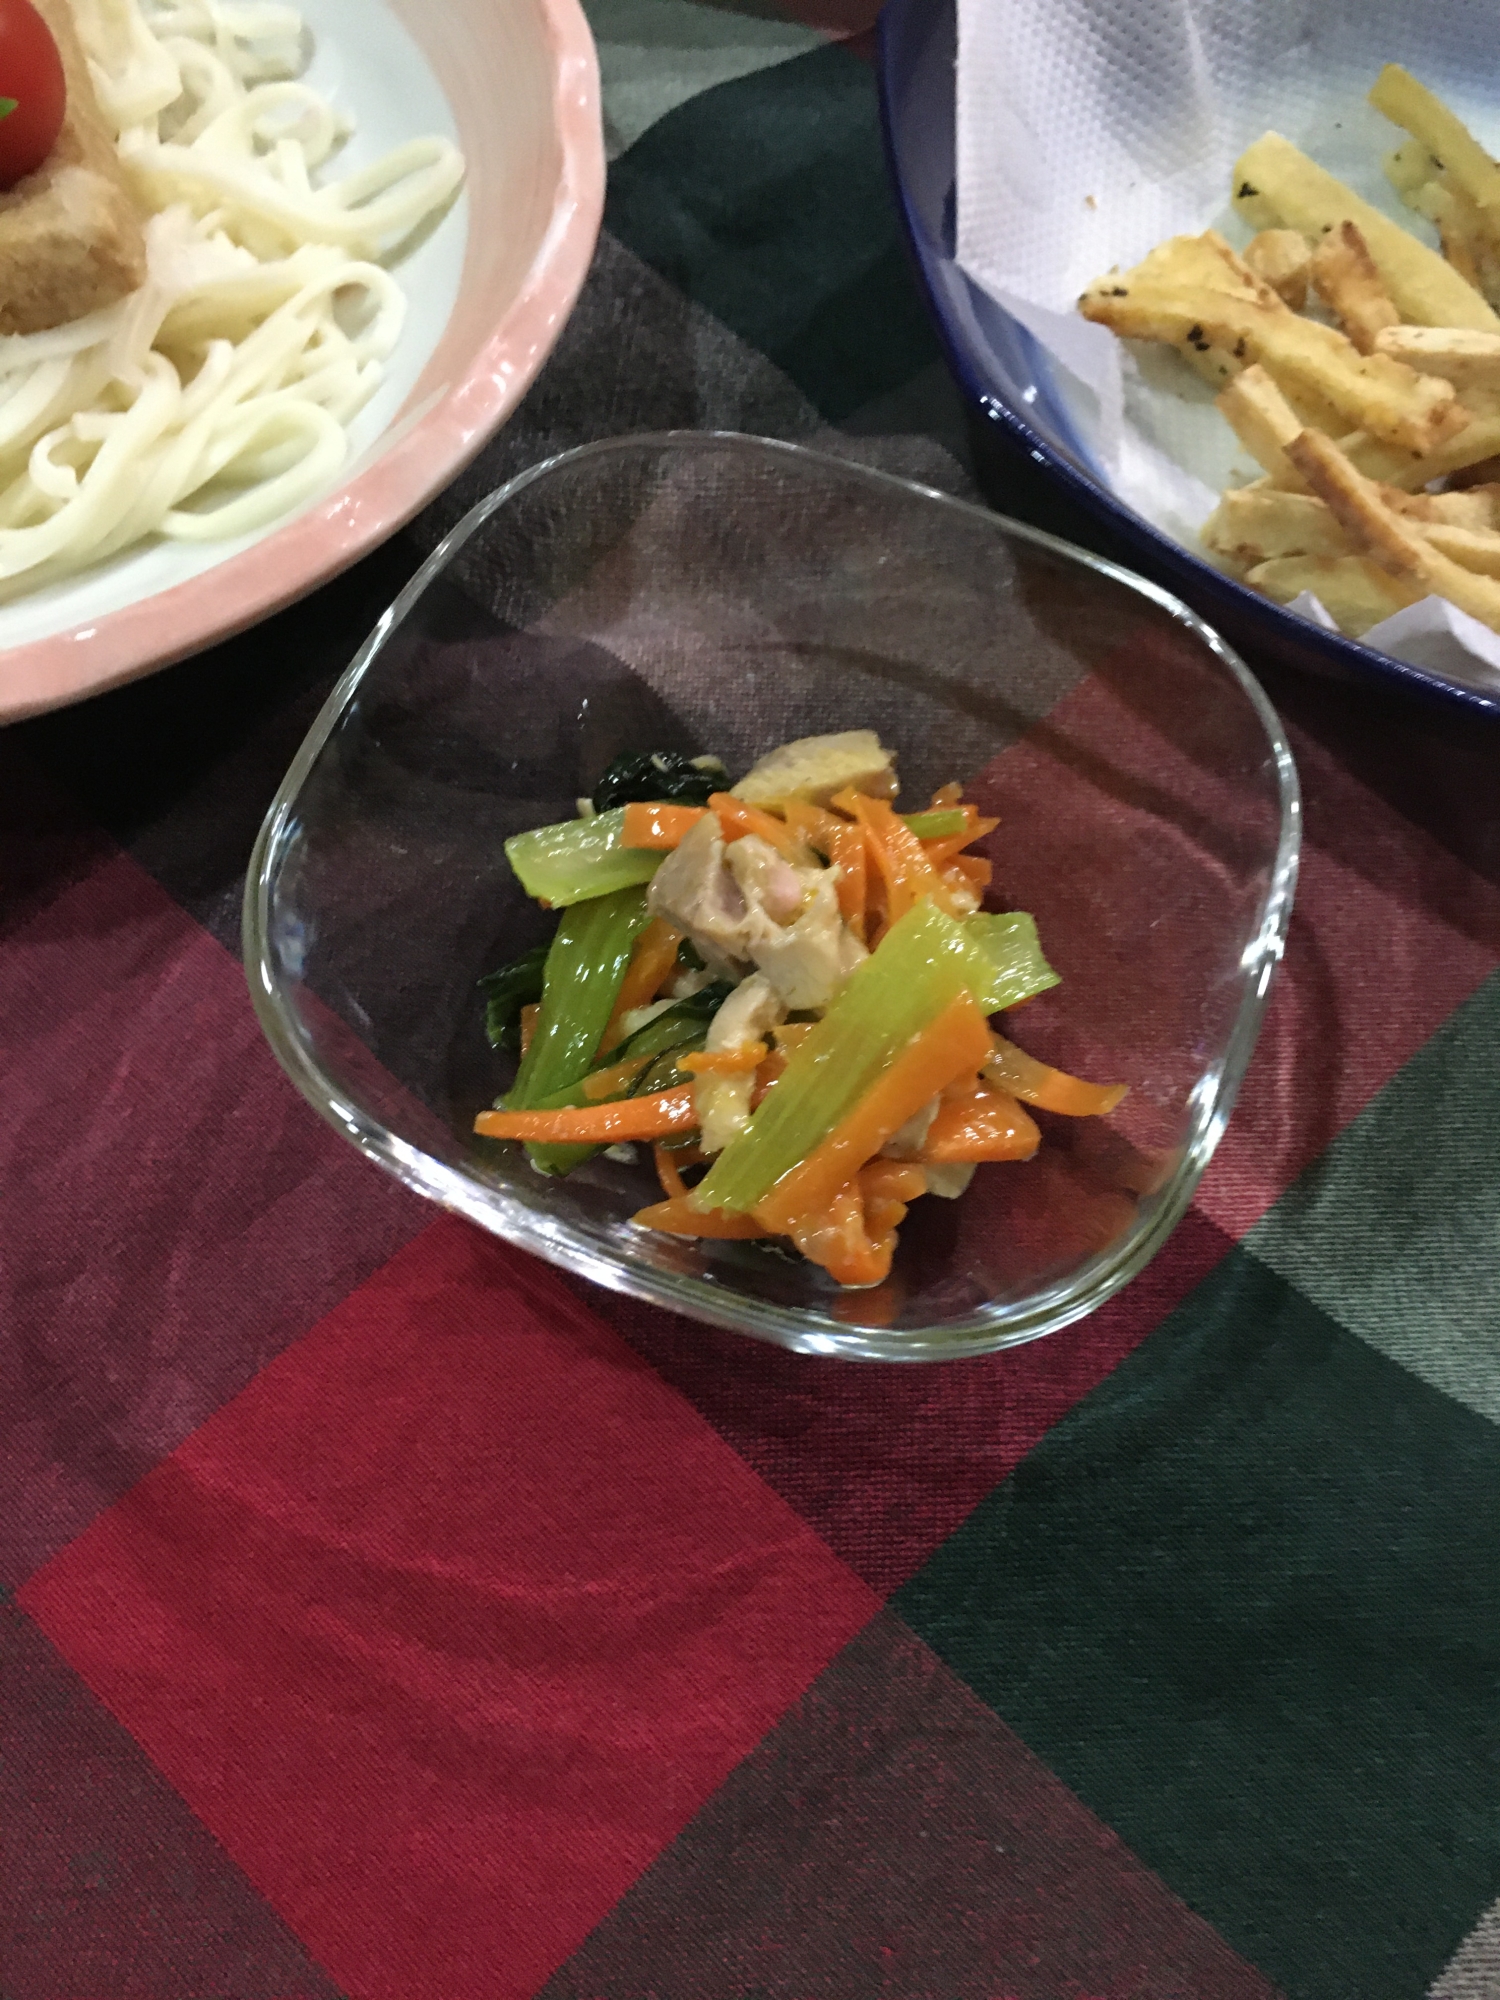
(515,83)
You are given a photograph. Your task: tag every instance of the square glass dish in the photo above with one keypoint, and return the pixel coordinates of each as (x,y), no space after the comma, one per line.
(714,593)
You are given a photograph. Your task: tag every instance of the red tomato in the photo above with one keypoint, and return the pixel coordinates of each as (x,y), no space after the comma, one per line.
(31,74)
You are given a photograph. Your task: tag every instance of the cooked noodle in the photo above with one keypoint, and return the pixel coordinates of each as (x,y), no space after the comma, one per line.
(216,398)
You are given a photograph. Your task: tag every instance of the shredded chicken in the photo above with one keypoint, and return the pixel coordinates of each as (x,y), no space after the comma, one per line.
(723,1102)
(908,1140)
(727,901)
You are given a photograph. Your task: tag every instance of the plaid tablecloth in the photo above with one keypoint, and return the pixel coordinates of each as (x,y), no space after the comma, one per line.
(387,1616)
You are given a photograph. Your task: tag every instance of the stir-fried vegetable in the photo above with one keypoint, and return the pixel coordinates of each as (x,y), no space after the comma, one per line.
(843,1064)
(585,967)
(925,962)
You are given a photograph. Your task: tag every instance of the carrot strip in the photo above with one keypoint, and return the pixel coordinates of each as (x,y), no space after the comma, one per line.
(954,1043)
(813,825)
(767,1077)
(672,1183)
(981,1125)
(736,819)
(892,1180)
(612,1081)
(946,797)
(941,851)
(650,964)
(1053,1089)
(899,856)
(528,1024)
(677,1217)
(652,825)
(838,1240)
(595,1124)
(977,872)
(724,1062)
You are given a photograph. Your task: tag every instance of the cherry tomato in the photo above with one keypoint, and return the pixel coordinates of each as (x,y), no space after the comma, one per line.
(31,76)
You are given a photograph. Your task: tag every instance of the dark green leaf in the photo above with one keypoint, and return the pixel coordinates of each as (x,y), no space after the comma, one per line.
(506,992)
(650,776)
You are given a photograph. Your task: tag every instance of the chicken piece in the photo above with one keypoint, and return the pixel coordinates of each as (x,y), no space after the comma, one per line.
(766,880)
(804,961)
(695,893)
(723,1102)
(72,236)
(815,767)
(717,897)
(948,1178)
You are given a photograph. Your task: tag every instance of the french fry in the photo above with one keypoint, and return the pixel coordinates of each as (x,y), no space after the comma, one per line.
(1409,104)
(1288,189)
(1392,402)
(1478,508)
(1467,359)
(1380,533)
(1263,421)
(1472,549)
(1281,258)
(1344,273)
(1254,524)
(1352,590)
(1410,166)
(1476,444)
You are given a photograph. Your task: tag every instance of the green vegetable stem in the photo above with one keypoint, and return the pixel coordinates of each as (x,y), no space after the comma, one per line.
(585,966)
(579,859)
(924,962)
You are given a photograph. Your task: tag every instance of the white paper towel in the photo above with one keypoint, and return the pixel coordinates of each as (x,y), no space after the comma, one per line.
(1088,130)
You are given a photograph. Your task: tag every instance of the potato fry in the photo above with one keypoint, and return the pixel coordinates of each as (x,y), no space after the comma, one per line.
(1460,355)
(1479,508)
(1282,259)
(1344,273)
(1409,104)
(1475,444)
(1471,548)
(1410,166)
(1353,591)
(1254,524)
(1245,317)
(1264,422)
(1285,187)
(1378,532)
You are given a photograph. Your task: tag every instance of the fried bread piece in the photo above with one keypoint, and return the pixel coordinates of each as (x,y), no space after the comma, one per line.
(72,235)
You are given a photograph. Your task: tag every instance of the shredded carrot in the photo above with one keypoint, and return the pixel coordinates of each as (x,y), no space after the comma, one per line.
(897,854)
(652,825)
(595,1124)
(724,1062)
(837,1239)
(813,825)
(736,819)
(1053,1089)
(941,851)
(672,1183)
(678,1217)
(982,1124)
(612,1081)
(955,1043)
(892,1180)
(971,868)
(528,1024)
(651,963)
(946,797)
(767,1077)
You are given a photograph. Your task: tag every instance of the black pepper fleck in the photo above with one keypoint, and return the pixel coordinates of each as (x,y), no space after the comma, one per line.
(1248,193)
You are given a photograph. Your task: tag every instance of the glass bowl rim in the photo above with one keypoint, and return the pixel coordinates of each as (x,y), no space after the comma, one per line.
(988,1327)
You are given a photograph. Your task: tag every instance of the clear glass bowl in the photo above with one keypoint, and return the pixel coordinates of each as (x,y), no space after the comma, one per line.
(709,592)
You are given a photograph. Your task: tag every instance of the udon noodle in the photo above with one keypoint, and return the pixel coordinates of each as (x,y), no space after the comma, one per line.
(217,397)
